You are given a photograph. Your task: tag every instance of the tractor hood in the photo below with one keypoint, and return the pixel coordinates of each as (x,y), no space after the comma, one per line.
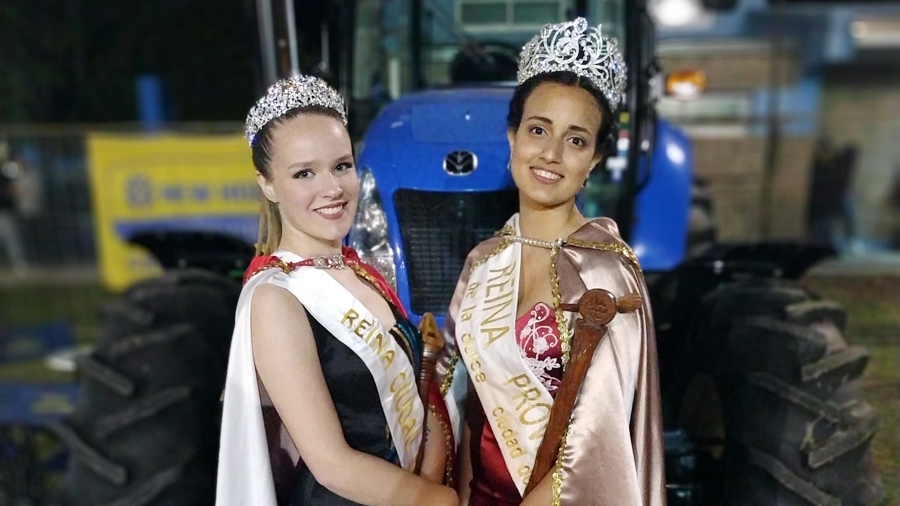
(447,140)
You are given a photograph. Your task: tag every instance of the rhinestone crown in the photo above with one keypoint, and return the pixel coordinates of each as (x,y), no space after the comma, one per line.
(576,47)
(291,93)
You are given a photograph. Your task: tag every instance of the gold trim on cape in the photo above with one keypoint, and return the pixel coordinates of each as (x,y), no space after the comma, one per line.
(556,490)
(503,245)
(451,366)
(561,324)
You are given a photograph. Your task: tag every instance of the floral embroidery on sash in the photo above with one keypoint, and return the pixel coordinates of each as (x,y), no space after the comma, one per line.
(540,346)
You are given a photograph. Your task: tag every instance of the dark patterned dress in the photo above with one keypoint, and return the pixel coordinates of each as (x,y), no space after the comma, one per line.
(358,408)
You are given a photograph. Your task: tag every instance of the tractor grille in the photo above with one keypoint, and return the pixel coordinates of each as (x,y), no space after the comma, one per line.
(438,230)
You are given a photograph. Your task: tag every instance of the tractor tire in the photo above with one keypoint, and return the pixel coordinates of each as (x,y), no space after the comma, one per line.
(702,229)
(776,399)
(145,429)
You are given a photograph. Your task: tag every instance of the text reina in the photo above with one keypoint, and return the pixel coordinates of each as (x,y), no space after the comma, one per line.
(376,340)
(498,302)
(402,387)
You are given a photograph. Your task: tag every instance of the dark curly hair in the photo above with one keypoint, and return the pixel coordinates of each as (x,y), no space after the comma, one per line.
(605,142)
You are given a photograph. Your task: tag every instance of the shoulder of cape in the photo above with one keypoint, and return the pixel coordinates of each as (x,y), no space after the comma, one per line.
(272,276)
(484,250)
(268,275)
(602,234)
(598,230)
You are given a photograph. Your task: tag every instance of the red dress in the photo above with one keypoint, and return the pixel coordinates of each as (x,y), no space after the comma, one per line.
(539,344)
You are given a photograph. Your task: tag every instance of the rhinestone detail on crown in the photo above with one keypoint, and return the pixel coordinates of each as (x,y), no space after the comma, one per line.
(576,47)
(291,93)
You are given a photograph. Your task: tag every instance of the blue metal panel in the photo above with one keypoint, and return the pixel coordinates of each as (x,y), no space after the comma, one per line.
(406,144)
(420,130)
(36,405)
(148,89)
(659,236)
(30,342)
(31,404)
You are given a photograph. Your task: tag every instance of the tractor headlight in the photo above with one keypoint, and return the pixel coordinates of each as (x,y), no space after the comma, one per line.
(369,233)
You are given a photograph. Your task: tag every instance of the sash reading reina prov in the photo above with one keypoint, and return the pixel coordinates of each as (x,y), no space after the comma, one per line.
(515,402)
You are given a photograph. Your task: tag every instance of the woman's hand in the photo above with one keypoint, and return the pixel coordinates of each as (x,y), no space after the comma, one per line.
(542,494)
(446,497)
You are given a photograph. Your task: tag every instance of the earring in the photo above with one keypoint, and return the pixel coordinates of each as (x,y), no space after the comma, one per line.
(584,184)
(509,165)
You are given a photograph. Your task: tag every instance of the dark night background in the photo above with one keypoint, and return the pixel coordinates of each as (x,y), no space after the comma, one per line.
(77,60)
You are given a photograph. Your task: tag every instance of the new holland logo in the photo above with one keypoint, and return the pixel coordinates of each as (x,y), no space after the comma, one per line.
(460,163)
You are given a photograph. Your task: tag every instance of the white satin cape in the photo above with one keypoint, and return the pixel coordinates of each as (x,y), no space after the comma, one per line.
(244,476)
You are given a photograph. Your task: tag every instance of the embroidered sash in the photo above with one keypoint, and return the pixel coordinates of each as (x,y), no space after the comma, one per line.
(350,322)
(515,402)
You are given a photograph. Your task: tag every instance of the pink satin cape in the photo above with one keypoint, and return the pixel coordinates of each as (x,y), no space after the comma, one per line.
(613,453)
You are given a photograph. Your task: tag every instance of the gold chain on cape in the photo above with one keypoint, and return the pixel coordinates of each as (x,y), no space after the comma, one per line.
(561,323)
(614,247)
(364,274)
(448,444)
(556,489)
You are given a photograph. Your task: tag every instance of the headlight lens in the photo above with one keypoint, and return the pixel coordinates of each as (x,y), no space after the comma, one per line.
(369,232)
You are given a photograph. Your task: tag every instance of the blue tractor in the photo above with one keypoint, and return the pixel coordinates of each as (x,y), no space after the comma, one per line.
(760,391)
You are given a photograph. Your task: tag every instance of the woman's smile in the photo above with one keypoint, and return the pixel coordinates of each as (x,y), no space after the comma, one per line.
(546,176)
(332,211)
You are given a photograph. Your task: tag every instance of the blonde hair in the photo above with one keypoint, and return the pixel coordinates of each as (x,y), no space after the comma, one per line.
(269,226)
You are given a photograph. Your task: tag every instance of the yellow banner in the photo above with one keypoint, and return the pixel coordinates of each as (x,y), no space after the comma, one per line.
(145,183)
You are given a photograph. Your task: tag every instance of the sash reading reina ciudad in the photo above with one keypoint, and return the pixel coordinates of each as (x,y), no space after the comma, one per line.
(245,474)
(515,402)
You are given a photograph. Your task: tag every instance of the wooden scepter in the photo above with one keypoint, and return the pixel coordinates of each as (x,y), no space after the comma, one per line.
(597,308)
(432,344)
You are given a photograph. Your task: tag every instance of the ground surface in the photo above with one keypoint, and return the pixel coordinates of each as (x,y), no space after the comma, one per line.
(873,308)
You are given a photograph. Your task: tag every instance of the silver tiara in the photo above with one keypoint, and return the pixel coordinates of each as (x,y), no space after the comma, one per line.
(291,93)
(576,47)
